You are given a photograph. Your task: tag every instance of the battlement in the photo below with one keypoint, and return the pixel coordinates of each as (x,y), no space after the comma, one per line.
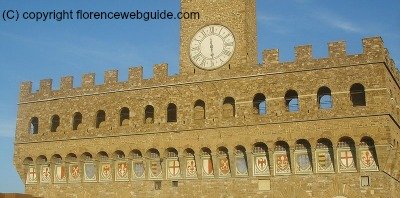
(373,52)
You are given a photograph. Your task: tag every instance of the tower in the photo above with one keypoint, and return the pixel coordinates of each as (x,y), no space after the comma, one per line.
(223,40)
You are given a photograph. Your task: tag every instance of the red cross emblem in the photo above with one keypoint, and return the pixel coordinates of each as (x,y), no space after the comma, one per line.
(174,167)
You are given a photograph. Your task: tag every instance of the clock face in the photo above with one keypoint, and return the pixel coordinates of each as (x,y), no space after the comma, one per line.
(212,46)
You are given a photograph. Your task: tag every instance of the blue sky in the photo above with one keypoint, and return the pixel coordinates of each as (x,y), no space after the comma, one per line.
(30,51)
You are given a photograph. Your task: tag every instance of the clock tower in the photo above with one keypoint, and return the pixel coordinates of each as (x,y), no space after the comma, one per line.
(222,41)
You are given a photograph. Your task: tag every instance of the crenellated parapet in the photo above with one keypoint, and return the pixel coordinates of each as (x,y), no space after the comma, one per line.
(88,85)
(373,52)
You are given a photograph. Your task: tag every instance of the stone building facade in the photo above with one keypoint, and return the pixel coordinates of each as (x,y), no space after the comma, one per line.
(226,126)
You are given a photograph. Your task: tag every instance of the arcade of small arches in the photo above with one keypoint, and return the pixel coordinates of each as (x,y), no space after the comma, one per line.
(324,98)
(323,157)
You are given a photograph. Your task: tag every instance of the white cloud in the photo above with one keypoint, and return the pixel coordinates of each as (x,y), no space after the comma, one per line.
(338,22)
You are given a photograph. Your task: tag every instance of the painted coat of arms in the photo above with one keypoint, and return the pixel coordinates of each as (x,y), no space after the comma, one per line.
(138,169)
(208,169)
(346,161)
(173,169)
(191,170)
(31,175)
(224,168)
(303,163)
(368,161)
(45,176)
(241,166)
(261,166)
(324,161)
(121,172)
(60,174)
(155,169)
(90,172)
(282,165)
(74,173)
(105,172)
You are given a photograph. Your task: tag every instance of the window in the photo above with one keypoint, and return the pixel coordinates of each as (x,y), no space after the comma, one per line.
(171,113)
(365,181)
(102,156)
(55,122)
(136,154)
(34,125)
(149,114)
(157,185)
(174,183)
(260,104)
(324,98)
(199,110)
(357,95)
(292,101)
(100,118)
(172,153)
(153,153)
(124,116)
(77,120)
(228,107)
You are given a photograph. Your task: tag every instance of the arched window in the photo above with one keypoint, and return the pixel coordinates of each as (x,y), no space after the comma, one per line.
(41,160)
(292,101)
(102,156)
(71,157)
(56,159)
(124,116)
(228,107)
(136,154)
(171,113)
(149,114)
(55,122)
(153,153)
(28,161)
(77,120)
(324,98)
(357,95)
(100,118)
(199,110)
(119,155)
(34,125)
(260,104)
(86,156)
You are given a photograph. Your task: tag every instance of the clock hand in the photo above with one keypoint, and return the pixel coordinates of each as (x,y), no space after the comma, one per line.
(211,47)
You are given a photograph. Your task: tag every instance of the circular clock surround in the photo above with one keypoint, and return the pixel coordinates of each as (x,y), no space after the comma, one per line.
(212,47)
